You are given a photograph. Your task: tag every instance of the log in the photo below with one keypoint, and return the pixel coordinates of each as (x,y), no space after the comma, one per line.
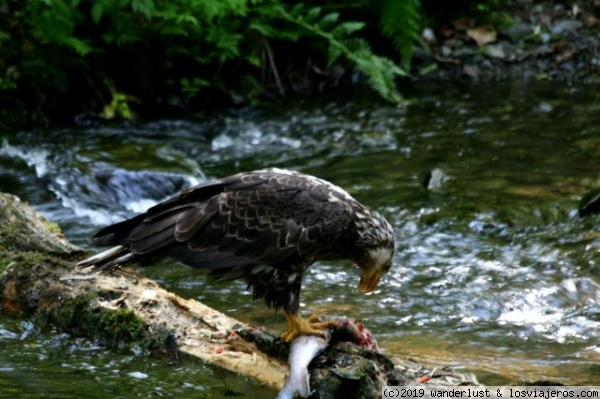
(40,281)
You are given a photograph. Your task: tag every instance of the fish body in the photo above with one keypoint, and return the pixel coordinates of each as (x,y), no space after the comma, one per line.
(303,350)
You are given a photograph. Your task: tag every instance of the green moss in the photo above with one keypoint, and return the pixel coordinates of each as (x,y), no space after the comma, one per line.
(31,258)
(7,244)
(80,316)
(10,230)
(4,261)
(123,325)
(53,227)
(24,260)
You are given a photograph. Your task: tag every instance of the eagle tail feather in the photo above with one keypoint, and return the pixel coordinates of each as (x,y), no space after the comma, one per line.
(108,259)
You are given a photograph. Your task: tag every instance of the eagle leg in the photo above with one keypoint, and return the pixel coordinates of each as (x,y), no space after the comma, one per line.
(299,326)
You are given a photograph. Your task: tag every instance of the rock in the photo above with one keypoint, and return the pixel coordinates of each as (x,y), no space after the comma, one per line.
(446,51)
(464,52)
(472,71)
(564,26)
(537,9)
(495,51)
(435,179)
(428,35)
(545,107)
(543,43)
(420,54)
(517,31)
(543,49)
(545,37)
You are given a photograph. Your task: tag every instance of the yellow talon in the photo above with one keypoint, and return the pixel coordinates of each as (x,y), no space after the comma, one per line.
(299,326)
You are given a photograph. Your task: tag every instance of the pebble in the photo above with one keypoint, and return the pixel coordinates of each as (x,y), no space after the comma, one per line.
(435,179)
(545,107)
(564,26)
(517,31)
(537,9)
(495,51)
(138,375)
(428,35)
(545,41)
(464,52)
(545,37)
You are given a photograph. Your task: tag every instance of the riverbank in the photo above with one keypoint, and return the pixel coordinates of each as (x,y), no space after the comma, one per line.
(542,40)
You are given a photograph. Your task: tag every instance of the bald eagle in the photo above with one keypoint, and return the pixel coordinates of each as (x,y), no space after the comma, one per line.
(265,227)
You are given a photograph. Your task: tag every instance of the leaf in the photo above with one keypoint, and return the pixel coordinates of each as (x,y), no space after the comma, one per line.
(381,71)
(348,28)
(296,11)
(253,59)
(313,13)
(180,19)
(328,20)
(264,29)
(81,47)
(482,35)
(97,11)
(145,7)
(401,22)
(334,52)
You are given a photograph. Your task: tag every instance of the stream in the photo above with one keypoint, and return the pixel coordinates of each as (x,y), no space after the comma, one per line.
(495,272)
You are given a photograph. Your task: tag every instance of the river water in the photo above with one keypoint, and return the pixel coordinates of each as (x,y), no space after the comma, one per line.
(495,272)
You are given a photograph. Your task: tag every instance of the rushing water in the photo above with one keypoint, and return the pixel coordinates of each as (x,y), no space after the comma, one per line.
(495,271)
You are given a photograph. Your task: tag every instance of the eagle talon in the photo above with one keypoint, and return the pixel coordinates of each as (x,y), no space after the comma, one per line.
(299,326)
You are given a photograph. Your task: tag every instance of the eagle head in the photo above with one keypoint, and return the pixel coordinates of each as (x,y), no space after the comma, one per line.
(376,243)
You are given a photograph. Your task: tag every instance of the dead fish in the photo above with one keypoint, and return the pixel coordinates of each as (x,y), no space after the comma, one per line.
(303,350)
(306,347)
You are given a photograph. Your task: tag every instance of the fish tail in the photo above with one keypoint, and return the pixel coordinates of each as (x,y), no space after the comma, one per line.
(296,383)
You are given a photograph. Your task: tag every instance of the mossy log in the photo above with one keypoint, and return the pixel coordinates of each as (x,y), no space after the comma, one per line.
(39,281)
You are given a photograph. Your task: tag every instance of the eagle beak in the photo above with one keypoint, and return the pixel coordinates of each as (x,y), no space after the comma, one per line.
(369,279)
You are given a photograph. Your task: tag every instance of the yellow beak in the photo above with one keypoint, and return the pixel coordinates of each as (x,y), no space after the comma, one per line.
(369,280)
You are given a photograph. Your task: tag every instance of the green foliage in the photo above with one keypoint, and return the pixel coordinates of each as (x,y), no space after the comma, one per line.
(381,71)
(63,53)
(53,22)
(401,22)
(118,107)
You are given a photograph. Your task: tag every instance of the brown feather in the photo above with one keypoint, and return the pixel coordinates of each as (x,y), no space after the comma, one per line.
(265,226)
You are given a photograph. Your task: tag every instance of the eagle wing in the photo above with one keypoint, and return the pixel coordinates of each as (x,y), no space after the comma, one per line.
(247,219)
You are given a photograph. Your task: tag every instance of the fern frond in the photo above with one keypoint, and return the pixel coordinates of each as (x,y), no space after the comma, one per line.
(381,71)
(401,21)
